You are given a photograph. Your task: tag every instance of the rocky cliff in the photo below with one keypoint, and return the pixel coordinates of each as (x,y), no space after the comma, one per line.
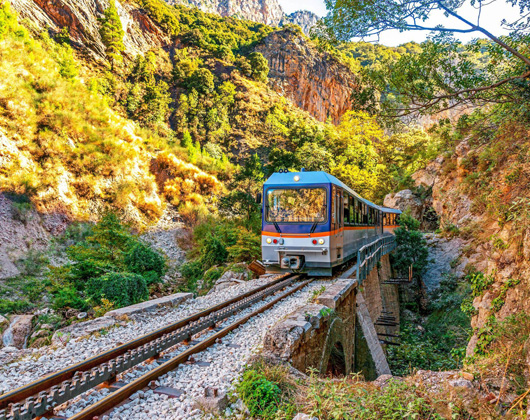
(303,18)
(268,12)
(314,81)
(81,18)
(483,213)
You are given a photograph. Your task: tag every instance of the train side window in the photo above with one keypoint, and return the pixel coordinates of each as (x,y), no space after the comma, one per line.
(333,206)
(346,209)
(350,209)
(339,208)
(365,214)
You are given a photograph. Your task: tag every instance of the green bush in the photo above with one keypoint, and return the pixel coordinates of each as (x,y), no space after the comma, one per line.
(9,306)
(123,289)
(142,259)
(192,271)
(68,298)
(261,396)
(214,252)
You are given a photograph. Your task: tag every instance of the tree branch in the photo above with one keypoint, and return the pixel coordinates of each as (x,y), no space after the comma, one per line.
(487,33)
(474,91)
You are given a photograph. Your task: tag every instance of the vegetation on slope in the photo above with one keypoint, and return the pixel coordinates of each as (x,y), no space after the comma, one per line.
(67,149)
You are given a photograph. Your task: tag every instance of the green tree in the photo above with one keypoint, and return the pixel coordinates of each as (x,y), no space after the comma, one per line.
(259,65)
(109,263)
(201,80)
(243,189)
(446,73)
(411,245)
(112,34)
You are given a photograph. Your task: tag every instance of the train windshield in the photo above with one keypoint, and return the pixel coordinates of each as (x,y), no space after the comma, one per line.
(296,205)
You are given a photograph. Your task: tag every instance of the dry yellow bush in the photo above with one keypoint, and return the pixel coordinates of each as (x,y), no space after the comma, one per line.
(185,182)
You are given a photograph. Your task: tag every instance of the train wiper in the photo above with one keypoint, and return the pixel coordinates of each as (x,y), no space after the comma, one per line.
(313,227)
(277,227)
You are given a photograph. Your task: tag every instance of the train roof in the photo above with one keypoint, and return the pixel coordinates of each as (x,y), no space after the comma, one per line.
(318,177)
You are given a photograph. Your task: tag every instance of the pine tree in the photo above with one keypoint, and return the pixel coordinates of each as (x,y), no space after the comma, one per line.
(112,34)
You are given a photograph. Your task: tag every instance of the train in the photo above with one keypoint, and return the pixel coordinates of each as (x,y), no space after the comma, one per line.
(312,222)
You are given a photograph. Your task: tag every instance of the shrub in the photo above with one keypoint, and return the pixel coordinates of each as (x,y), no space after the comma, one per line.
(142,259)
(68,298)
(9,306)
(192,271)
(247,247)
(214,252)
(122,289)
(261,396)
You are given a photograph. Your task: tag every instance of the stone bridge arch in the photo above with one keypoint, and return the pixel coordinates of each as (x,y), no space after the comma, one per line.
(340,334)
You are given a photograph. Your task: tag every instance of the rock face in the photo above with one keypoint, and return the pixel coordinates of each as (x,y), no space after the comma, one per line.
(81,18)
(268,12)
(480,242)
(18,331)
(16,226)
(303,18)
(314,81)
(405,200)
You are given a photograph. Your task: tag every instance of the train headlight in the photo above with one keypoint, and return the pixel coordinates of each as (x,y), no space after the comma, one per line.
(269,240)
(321,241)
(296,178)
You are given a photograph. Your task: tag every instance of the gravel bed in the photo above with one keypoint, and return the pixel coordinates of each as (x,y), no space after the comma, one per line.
(29,365)
(226,365)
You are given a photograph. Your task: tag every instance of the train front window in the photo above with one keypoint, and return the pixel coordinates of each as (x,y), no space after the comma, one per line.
(306,205)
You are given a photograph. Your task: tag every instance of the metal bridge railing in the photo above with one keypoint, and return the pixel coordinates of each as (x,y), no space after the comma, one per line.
(369,255)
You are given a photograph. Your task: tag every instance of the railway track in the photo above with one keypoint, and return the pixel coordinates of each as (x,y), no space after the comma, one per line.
(40,397)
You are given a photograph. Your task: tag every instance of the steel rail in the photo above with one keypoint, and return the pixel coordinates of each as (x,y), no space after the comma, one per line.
(83,375)
(121,394)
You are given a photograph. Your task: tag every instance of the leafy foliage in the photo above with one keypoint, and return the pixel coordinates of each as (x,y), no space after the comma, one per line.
(411,246)
(438,341)
(260,395)
(479,72)
(111,264)
(122,289)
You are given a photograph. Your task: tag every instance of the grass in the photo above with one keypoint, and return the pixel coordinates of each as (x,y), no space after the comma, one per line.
(272,392)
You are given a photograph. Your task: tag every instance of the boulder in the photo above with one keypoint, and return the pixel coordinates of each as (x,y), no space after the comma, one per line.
(404,200)
(231,276)
(18,331)
(81,329)
(427,177)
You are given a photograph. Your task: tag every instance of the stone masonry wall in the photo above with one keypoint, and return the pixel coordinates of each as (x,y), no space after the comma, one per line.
(318,333)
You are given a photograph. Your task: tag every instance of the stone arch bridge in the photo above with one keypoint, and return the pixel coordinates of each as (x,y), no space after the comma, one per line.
(348,327)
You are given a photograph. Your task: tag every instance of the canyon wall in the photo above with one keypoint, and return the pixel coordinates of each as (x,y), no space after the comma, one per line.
(315,81)
(81,18)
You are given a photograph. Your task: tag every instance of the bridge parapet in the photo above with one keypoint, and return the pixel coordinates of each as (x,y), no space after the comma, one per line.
(369,255)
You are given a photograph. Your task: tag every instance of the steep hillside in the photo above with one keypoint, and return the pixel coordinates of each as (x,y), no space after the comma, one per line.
(481,194)
(479,191)
(81,19)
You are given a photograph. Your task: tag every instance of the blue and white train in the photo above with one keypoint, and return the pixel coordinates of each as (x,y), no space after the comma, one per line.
(312,222)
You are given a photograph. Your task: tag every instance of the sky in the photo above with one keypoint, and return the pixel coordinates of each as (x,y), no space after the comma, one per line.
(491,17)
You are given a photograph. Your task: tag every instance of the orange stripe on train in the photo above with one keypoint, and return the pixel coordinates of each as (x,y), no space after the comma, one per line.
(314,235)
